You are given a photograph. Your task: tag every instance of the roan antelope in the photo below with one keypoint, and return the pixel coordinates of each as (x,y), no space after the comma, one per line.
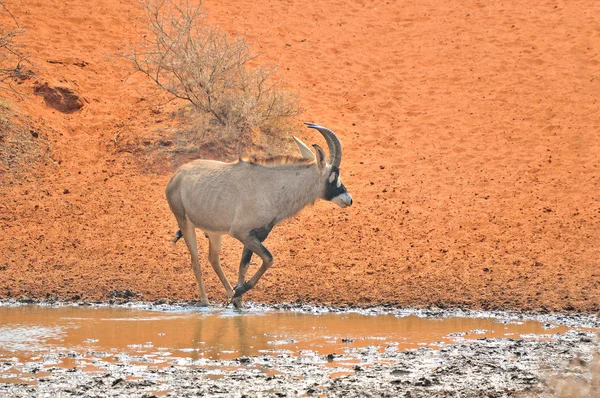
(247,198)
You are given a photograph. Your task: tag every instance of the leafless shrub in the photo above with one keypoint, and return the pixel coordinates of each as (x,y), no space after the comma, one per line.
(197,62)
(11,59)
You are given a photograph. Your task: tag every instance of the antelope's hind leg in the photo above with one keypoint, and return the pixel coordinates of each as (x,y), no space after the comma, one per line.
(189,235)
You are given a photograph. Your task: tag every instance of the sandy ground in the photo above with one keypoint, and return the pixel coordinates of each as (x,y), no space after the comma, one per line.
(471,147)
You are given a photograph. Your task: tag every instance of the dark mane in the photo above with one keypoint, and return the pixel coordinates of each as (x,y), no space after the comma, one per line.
(276,161)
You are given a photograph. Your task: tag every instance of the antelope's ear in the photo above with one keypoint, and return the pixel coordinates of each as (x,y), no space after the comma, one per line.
(321,159)
(304,149)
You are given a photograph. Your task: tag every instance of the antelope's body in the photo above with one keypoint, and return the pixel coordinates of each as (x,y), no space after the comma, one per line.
(221,197)
(245,199)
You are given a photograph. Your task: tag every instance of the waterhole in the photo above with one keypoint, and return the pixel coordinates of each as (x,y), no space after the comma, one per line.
(36,340)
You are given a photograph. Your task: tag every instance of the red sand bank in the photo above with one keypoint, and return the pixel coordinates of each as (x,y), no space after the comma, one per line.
(471,147)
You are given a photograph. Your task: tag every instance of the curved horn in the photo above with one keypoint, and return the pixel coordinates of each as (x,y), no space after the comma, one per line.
(334,144)
(304,149)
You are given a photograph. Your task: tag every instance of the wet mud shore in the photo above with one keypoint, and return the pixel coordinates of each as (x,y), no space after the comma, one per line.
(463,364)
(487,367)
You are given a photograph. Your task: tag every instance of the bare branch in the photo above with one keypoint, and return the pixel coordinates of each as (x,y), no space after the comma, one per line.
(11,59)
(10,13)
(198,63)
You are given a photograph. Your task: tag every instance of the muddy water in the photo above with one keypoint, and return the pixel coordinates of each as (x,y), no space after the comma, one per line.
(86,338)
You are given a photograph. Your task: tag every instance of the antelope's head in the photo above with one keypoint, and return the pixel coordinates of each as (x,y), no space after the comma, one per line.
(333,191)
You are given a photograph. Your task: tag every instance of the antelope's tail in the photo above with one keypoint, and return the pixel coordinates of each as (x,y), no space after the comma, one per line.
(178,236)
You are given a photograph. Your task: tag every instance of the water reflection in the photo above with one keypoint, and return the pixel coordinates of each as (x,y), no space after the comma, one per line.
(226,334)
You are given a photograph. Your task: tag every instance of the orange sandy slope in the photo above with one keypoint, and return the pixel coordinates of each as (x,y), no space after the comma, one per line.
(471,146)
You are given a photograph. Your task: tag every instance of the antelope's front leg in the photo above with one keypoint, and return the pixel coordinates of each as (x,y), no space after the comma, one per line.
(241,288)
(253,243)
(244,263)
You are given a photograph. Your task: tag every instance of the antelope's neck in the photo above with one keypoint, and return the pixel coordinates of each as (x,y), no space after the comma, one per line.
(302,187)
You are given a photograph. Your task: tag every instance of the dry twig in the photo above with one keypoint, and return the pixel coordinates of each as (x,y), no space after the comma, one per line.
(11,59)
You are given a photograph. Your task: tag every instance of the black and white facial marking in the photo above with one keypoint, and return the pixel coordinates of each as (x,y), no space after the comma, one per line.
(335,191)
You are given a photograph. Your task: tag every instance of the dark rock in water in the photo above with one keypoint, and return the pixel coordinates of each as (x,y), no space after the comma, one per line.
(26,300)
(423,382)
(399,372)
(123,294)
(117,382)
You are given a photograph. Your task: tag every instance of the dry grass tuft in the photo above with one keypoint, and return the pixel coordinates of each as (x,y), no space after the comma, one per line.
(21,146)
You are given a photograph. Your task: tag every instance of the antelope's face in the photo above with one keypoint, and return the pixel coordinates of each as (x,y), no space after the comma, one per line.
(335,191)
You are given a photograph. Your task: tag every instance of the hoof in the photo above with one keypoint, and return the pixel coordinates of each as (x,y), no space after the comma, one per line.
(238,303)
(241,289)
